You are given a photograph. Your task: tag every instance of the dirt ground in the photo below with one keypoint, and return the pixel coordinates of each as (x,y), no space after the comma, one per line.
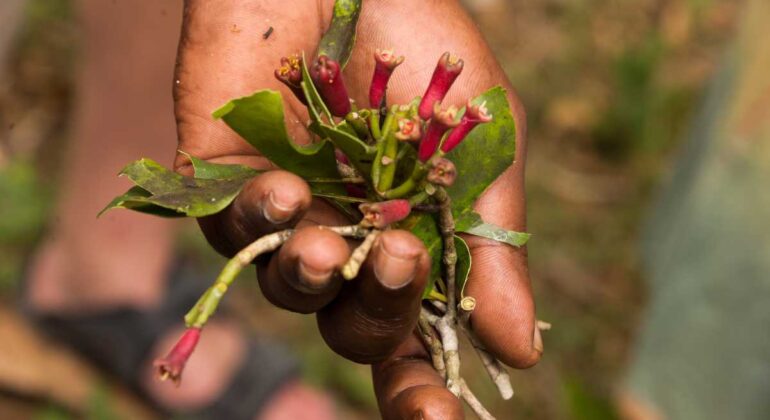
(609,86)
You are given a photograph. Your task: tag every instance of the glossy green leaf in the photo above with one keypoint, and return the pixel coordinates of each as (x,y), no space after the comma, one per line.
(259,120)
(208,170)
(337,43)
(139,199)
(360,154)
(470,222)
(494,232)
(163,192)
(486,153)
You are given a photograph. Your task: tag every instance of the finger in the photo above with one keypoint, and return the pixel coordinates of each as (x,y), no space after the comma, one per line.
(303,276)
(407,386)
(375,312)
(504,318)
(274,200)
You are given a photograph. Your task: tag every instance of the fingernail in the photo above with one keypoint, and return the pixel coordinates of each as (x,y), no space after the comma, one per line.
(312,279)
(537,342)
(393,269)
(275,211)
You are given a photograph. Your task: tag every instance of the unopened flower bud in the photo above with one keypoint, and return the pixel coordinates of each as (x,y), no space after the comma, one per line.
(383,213)
(474,115)
(327,78)
(290,74)
(409,129)
(171,366)
(385,63)
(441,121)
(441,171)
(447,70)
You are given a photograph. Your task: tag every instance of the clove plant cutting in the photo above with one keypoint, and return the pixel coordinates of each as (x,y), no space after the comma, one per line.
(417,166)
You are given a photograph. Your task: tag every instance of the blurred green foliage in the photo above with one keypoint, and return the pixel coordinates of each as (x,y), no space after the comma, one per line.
(22,217)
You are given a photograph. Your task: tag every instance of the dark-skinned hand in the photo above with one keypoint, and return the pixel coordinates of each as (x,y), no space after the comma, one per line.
(222,55)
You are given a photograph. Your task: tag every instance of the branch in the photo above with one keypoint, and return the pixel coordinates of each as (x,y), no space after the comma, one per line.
(357,258)
(494,368)
(474,402)
(433,343)
(447,325)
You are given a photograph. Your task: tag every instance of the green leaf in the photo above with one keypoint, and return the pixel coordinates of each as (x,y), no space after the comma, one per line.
(463,267)
(486,153)
(259,120)
(138,199)
(208,170)
(360,154)
(424,226)
(165,193)
(470,222)
(499,234)
(337,43)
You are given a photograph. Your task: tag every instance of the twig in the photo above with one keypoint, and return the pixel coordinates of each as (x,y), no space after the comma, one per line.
(494,368)
(433,343)
(357,258)
(466,307)
(440,306)
(353,231)
(447,325)
(451,353)
(427,208)
(474,402)
(431,318)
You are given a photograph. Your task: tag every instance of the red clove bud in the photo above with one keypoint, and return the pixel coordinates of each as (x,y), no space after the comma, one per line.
(439,124)
(409,129)
(171,366)
(447,70)
(290,74)
(385,63)
(383,213)
(327,77)
(474,115)
(441,171)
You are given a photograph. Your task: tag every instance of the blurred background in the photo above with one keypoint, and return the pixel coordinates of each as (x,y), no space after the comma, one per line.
(610,88)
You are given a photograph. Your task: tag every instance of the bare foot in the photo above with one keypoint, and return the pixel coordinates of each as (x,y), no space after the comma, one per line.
(208,373)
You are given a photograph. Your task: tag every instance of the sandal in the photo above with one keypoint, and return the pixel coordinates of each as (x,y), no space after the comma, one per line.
(120,341)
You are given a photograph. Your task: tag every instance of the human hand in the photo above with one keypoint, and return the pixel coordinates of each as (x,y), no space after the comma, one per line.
(223,55)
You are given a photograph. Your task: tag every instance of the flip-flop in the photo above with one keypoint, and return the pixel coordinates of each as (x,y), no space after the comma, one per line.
(120,341)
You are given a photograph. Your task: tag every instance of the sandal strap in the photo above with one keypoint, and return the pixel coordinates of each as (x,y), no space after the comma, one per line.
(266,368)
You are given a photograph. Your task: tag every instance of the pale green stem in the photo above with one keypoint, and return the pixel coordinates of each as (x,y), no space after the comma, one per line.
(409,185)
(388,162)
(209,301)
